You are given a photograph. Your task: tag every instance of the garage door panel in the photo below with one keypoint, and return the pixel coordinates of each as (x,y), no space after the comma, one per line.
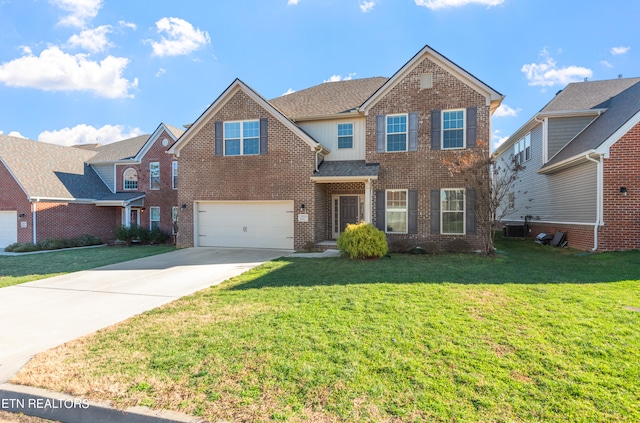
(8,228)
(246,224)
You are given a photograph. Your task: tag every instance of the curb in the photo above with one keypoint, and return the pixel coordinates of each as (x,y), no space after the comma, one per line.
(65,408)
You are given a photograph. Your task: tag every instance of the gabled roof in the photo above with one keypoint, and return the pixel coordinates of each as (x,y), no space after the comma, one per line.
(238,85)
(327,99)
(346,170)
(588,95)
(120,150)
(493,97)
(51,172)
(620,109)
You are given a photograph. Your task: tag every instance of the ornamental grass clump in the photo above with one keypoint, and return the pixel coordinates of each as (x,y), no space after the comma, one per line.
(363,241)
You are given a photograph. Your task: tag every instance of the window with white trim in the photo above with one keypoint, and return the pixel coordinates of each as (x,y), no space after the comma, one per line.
(345,135)
(452,210)
(154,175)
(522,149)
(242,138)
(396,132)
(130,179)
(154,217)
(396,211)
(174,175)
(453,129)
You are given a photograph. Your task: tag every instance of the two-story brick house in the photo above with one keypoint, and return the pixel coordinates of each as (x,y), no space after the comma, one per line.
(295,170)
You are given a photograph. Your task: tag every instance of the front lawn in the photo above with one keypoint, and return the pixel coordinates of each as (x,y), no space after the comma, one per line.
(535,334)
(30,267)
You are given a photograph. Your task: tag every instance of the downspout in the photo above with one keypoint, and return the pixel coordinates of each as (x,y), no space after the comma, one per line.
(599,195)
(33,223)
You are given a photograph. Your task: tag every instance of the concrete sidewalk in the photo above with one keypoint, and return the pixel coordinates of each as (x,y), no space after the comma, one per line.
(40,315)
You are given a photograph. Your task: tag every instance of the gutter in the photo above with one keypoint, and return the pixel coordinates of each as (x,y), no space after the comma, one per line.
(599,197)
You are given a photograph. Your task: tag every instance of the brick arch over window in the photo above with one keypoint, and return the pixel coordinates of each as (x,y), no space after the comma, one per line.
(130,179)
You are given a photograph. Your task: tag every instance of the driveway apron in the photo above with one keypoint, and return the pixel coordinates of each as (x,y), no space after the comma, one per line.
(40,315)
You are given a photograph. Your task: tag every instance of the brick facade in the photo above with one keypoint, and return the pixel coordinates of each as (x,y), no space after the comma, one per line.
(64,220)
(166,197)
(12,197)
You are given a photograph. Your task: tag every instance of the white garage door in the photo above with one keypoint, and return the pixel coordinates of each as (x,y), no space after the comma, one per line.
(249,224)
(8,228)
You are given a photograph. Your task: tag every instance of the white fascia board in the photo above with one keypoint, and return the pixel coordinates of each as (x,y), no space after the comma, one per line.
(571,161)
(37,199)
(629,125)
(334,179)
(522,131)
(14,177)
(152,139)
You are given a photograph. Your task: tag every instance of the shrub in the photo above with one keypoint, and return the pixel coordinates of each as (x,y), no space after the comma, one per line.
(158,236)
(87,240)
(457,245)
(430,248)
(124,234)
(363,241)
(54,244)
(21,247)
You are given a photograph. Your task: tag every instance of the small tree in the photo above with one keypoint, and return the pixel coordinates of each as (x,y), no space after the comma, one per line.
(493,181)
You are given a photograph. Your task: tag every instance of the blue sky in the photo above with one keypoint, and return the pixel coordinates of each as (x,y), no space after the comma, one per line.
(85,71)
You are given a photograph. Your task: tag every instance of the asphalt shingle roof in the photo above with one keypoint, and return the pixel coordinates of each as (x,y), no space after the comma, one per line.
(51,171)
(120,150)
(588,95)
(347,168)
(326,99)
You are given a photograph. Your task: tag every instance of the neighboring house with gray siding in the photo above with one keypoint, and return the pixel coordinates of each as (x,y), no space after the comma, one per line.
(581,154)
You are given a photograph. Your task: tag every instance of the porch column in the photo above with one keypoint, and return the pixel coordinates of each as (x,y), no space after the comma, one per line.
(127,216)
(368,200)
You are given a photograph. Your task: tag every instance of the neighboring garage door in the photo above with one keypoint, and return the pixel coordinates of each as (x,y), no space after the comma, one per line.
(250,224)
(8,228)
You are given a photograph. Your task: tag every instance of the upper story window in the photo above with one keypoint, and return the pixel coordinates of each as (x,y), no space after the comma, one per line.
(522,149)
(130,178)
(242,138)
(397,132)
(174,175)
(345,135)
(452,212)
(154,175)
(453,129)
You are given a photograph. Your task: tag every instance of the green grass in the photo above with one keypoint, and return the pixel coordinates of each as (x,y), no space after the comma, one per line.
(535,334)
(29,267)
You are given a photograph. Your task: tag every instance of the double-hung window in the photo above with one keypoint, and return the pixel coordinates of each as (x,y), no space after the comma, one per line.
(396,211)
(130,179)
(453,129)
(174,175)
(345,135)
(522,149)
(242,138)
(452,212)
(154,175)
(154,217)
(397,132)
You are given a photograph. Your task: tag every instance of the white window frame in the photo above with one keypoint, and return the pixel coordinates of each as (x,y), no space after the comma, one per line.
(406,210)
(522,149)
(242,137)
(124,179)
(464,129)
(345,136)
(464,212)
(175,212)
(151,165)
(151,220)
(174,174)
(406,133)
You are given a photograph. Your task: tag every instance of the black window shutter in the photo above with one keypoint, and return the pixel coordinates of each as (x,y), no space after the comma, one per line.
(218,138)
(380,131)
(413,131)
(435,211)
(471,211)
(436,124)
(380,210)
(264,135)
(472,126)
(413,212)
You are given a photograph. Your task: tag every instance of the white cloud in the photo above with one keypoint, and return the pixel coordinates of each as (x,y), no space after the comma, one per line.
(126,24)
(55,70)
(289,91)
(620,50)
(94,40)
(336,78)
(547,73)
(80,11)
(367,6)
(87,134)
(442,4)
(160,72)
(506,111)
(497,139)
(182,38)
(16,134)
(606,64)
(292,2)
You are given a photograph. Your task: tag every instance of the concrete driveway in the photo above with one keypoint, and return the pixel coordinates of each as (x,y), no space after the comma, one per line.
(39,315)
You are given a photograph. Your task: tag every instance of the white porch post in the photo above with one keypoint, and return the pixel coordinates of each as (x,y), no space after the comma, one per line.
(127,216)
(368,199)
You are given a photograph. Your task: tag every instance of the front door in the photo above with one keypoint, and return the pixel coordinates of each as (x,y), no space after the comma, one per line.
(348,210)
(134,218)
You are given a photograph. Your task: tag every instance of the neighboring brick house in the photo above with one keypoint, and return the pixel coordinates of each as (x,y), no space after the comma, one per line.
(294,171)
(51,191)
(581,154)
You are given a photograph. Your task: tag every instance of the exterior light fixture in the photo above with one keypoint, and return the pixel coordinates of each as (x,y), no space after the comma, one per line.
(623,191)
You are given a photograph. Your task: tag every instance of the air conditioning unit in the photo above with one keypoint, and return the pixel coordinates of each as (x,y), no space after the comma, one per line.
(513,231)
